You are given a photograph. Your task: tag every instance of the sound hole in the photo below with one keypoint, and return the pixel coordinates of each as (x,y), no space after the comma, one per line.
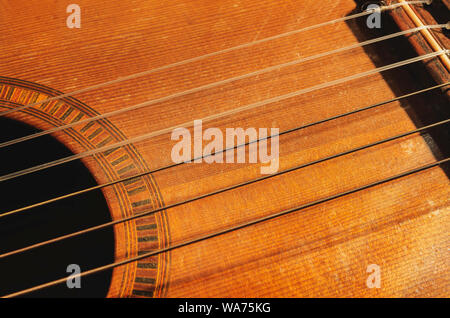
(50,262)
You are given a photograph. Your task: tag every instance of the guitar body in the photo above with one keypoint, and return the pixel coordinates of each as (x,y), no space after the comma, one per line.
(325,250)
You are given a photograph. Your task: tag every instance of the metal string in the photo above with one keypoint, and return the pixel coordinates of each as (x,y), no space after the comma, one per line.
(217,116)
(236,186)
(228,230)
(199,58)
(216,84)
(263,219)
(107,184)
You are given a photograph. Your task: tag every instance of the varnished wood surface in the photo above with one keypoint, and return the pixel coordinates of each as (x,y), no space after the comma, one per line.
(322,251)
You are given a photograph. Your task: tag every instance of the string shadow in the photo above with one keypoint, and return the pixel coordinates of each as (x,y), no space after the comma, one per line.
(423,109)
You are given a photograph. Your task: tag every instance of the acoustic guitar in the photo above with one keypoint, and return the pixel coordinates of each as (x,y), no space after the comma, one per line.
(229,148)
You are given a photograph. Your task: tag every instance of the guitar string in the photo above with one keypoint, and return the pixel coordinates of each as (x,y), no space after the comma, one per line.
(225,189)
(231,230)
(199,58)
(254,222)
(111,183)
(216,84)
(426,34)
(217,116)
(228,230)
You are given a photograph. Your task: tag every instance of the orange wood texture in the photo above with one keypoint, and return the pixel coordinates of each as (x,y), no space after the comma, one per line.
(322,251)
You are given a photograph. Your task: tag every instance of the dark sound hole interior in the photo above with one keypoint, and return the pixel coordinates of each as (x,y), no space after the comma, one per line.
(44,264)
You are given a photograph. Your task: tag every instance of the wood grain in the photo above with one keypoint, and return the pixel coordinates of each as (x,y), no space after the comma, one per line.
(322,251)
